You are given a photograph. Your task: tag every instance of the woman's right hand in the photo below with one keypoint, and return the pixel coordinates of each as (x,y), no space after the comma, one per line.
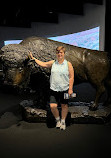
(30,55)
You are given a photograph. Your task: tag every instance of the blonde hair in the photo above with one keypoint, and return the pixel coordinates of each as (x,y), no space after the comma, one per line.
(60,48)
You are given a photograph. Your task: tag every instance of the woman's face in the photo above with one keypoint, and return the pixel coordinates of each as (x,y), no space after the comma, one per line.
(60,55)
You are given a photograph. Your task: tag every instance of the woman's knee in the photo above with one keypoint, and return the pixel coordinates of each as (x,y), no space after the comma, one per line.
(64,106)
(53,105)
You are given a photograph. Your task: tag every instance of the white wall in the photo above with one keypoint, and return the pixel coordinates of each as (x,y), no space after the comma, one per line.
(94,15)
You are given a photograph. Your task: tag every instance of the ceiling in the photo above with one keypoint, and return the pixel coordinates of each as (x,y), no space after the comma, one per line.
(18,14)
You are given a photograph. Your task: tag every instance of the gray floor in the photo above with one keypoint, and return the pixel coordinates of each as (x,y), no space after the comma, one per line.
(19,139)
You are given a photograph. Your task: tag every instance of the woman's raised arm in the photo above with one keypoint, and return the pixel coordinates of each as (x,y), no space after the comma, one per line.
(43,64)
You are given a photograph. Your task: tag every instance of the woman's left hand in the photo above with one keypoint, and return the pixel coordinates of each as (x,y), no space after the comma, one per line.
(70,91)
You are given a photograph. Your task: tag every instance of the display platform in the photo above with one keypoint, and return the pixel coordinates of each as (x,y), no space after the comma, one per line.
(78,113)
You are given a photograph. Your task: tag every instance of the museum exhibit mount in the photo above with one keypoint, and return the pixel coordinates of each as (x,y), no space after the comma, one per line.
(90,66)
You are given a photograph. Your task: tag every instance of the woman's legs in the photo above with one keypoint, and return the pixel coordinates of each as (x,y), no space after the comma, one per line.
(55,97)
(55,113)
(64,111)
(54,110)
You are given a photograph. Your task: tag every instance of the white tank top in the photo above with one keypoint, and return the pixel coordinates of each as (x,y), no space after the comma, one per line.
(59,79)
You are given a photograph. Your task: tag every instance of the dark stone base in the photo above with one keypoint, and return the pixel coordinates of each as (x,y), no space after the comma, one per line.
(82,114)
(31,113)
(78,113)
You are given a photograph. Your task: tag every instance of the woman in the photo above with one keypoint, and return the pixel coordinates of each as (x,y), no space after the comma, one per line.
(61,81)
